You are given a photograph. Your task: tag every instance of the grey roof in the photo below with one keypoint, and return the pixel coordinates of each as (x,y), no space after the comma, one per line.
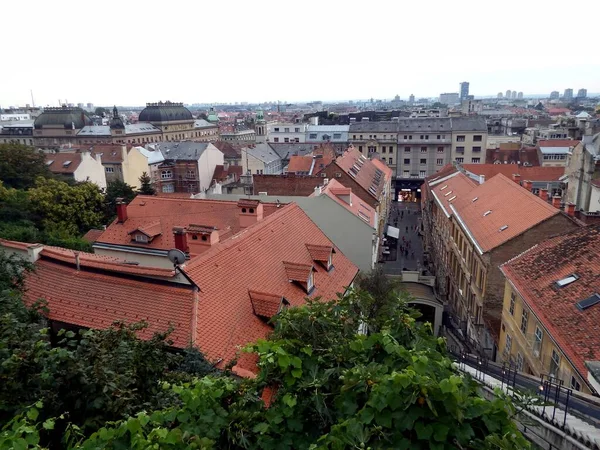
(17,124)
(141,127)
(201,123)
(182,151)
(377,127)
(95,130)
(328,128)
(469,124)
(263,152)
(555,150)
(285,151)
(424,124)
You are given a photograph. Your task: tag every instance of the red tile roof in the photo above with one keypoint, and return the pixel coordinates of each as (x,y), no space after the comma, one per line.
(535,273)
(265,305)
(336,191)
(151,229)
(558,143)
(298,271)
(164,213)
(253,260)
(526,173)
(96,300)
(362,170)
(556,111)
(301,164)
(509,156)
(63,162)
(319,253)
(16,245)
(92,235)
(221,174)
(388,172)
(510,205)
(228,150)
(455,187)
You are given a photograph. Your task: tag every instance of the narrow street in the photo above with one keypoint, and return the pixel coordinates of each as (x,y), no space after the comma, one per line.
(408,254)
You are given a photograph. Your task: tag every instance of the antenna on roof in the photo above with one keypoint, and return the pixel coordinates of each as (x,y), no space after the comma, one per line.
(176,256)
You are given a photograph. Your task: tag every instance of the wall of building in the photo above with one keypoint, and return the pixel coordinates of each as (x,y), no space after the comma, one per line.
(286,132)
(134,164)
(210,158)
(471,150)
(90,169)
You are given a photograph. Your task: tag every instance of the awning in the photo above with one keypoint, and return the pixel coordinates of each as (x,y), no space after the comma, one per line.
(393,232)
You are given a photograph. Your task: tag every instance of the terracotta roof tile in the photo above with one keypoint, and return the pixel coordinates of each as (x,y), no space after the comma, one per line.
(535,273)
(265,305)
(511,206)
(526,173)
(297,271)
(151,229)
(16,245)
(454,187)
(63,162)
(319,253)
(363,171)
(558,143)
(92,235)
(340,194)
(300,164)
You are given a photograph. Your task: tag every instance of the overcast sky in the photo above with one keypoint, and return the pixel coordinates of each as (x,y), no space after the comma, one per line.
(129,52)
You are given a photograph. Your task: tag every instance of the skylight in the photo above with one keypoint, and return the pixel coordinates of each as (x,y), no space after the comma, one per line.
(487,213)
(503,227)
(567,280)
(443,187)
(447,193)
(66,163)
(49,163)
(475,199)
(452,198)
(588,302)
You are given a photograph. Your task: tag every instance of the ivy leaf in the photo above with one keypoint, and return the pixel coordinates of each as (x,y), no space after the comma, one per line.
(261,428)
(440,431)
(423,431)
(49,424)
(297,373)
(32,414)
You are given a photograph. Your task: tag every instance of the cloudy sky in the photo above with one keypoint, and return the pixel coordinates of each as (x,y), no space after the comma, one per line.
(129,52)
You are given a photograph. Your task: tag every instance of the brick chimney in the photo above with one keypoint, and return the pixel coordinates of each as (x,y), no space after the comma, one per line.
(250,211)
(556,201)
(121,210)
(544,194)
(180,236)
(527,185)
(200,238)
(516,178)
(570,209)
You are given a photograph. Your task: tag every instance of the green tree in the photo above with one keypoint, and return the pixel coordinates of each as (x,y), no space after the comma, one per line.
(20,165)
(74,209)
(114,190)
(146,185)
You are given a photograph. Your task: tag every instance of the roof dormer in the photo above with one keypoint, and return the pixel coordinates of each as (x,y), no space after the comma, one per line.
(303,274)
(265,305)
(146,233)
(322,254)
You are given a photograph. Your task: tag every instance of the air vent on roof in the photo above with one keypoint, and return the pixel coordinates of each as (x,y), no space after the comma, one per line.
(585,304)
(49,163)
(447,193)
(567,280)
(66,163)
(363,157)
(487,213)
(443,187)
(475,199)
(503,227)
(452,198)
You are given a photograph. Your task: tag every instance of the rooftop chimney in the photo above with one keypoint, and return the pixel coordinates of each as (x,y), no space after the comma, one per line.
(317,190)
(121,210)
(516,178)
(33,252)
(527,185)
(556,201)
(570,209)
(201,238)
(77,264)
(180,239)
(250,211)
(544,194)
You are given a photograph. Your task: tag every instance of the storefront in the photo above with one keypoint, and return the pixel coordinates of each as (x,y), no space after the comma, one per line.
(408,190)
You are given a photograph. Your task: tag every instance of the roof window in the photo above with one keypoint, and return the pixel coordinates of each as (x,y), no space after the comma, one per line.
(475,199)
(567,280)
(487,213)
(588,302)
(503,227)
(452,198)
(66,163)
(447,193)
(443,187)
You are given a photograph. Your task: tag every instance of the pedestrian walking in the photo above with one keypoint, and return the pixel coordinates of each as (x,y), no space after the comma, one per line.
(407,229)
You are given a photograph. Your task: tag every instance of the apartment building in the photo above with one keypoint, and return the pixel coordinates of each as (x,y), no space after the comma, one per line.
(469,140)
(582,173)
(286,132)
(551,309)
(376,137)
(470,230)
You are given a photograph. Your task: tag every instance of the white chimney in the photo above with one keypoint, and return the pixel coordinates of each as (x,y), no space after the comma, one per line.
(318,190)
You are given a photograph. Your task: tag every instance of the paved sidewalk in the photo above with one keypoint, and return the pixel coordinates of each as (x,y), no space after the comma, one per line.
(407,216)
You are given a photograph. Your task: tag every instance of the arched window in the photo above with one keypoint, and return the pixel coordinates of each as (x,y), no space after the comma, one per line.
(166,174)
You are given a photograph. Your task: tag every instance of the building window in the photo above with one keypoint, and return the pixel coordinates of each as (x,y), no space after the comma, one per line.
(286,140)
(422,174)
(405,137)
(477,138)
(519,362)
(360,148)
(439,136)
(460,138)
(406,174)
(439,162)
(141,238)
(310,283)
(190,174)
(297,140)
(476,149)
(511,308)
(524,320)
(168,188)
(440,150)
(313,135)
(406,161)
(422,161)
(383,149)
(276,129)
(287,130)
(460,150)
(406,149)
(166,175)
(390,161)
(410,137)
(423,149)
(475,160)
(296,130)
(353,136)
(460,160)
(537,342)
(337,135)
(422,137)
(275,139)
(371,149)
(508,346)
(575,385)
(554,363)
(110,170)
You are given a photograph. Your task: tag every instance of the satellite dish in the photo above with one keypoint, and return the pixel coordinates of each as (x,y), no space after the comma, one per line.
(177,257)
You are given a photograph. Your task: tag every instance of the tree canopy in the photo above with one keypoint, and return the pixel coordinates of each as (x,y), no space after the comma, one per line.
(116,189)
(21,165)
(146,187)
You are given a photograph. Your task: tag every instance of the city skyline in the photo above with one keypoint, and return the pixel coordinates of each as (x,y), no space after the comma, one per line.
(243,52)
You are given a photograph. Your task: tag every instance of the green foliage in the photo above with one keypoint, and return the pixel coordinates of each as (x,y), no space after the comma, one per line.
(74,209)
(146,185)
(20,165)
(116,189)
(100,111)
